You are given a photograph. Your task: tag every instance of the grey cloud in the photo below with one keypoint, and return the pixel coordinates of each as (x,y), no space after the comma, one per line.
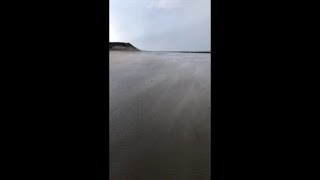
(164,26)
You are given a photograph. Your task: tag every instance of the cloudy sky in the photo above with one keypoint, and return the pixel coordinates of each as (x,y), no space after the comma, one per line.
(163,25)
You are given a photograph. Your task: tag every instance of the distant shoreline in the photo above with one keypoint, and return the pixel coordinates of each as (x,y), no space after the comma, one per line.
(180,51)
(203,52)
(128,50)
(121,46)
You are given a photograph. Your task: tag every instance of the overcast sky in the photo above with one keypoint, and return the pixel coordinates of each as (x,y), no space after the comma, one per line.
(161,25)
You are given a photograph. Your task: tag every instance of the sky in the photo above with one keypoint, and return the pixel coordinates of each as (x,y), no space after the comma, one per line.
(161,25)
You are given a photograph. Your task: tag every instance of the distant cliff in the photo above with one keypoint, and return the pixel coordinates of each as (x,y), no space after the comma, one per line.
(121,46)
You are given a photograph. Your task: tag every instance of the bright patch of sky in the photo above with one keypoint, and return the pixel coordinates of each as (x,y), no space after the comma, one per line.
(162,25)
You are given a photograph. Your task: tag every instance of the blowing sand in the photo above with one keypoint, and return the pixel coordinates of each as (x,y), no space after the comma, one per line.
(159,116)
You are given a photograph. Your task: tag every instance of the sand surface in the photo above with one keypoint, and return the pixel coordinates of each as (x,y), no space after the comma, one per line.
(159,116)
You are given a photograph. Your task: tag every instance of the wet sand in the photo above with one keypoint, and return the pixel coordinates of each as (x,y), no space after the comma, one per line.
(159,116)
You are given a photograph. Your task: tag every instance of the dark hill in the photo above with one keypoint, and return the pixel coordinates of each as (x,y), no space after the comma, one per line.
(120,46)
